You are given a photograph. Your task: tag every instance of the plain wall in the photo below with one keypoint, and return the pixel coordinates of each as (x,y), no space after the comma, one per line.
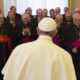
(74,4)
(1,5)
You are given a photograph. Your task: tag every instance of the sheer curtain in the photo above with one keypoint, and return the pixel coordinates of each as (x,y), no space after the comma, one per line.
(56,3)
(34,4)
(7,4)
(21,5)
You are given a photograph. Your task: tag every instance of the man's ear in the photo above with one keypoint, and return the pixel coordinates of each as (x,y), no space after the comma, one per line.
(37,29)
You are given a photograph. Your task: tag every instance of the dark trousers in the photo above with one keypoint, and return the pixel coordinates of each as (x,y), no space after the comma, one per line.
(4,54)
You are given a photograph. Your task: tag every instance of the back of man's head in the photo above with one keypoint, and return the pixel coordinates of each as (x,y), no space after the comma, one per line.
(47,25)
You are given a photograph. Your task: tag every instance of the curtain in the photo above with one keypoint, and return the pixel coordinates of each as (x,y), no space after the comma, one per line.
(21,5)
(7,5)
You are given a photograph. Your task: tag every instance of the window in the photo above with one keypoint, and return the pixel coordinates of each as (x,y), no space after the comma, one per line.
(7,4)
(23,4)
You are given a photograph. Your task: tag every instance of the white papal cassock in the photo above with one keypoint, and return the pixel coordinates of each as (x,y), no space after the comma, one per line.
(39,60)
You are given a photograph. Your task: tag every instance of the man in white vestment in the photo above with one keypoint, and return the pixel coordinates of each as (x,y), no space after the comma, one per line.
(40,59)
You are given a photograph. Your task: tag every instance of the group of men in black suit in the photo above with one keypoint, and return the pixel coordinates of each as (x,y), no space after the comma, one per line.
(17,29)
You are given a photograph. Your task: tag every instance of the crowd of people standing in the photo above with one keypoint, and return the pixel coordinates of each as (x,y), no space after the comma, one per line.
(16,29)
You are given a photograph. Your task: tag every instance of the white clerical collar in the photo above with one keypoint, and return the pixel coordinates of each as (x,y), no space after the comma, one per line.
(46,37)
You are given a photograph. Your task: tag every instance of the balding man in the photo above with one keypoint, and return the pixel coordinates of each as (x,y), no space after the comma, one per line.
(38,16)
(41,59)
(28,32)
(77,10)
(57,10)
(58,38)
(71,37)
(75,43)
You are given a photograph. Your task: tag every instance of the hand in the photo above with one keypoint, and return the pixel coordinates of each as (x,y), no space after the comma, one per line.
(26,31)
(74,50)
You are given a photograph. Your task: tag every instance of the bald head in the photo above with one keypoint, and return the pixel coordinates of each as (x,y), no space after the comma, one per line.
(59,18)
(77,10)
(76,15)
(25,18)
(76,19)
(57,10)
